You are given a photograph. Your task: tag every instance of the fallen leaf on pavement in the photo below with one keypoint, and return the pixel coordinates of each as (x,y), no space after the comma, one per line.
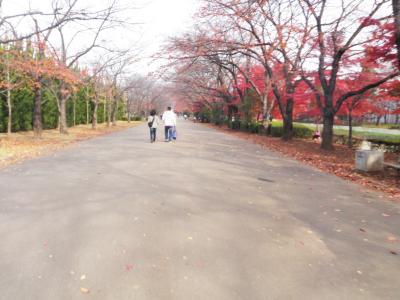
(128,267)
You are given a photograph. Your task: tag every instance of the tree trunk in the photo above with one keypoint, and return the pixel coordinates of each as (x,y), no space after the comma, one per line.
(108,113)
(396,13)
(397,119)
(87,111)
(63,108)
(269,127)
(94,115)
(265,106)
(104,110)
(9,106)
(378,120)
(288,121)
(63,116)
(74,112)
(37,113)
(327,132)
(115,113)
(287,129)
(350,120)
(266,122)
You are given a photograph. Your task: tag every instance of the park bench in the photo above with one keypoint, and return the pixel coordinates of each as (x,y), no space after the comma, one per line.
(395,166)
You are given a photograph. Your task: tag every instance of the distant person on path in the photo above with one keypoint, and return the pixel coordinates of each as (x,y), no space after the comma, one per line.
(169,119)
(153,120)
(317,135)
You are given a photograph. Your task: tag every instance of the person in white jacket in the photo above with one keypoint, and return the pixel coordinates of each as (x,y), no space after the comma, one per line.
(169,119)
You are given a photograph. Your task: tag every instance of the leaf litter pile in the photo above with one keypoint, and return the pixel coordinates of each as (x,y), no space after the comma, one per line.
(339,162)
(22,145)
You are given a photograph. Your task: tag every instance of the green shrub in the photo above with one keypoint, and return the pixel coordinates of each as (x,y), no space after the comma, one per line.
(246,107)
(205,115)
(299,131)
(252,127)
(217,113)
(244,126)
(276,131)
(234,124)
(255,127)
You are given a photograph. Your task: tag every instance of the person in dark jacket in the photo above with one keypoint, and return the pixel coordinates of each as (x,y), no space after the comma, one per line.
(153,121)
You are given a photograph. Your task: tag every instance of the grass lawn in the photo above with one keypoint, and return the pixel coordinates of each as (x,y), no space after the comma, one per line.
(384,126)
(372,136)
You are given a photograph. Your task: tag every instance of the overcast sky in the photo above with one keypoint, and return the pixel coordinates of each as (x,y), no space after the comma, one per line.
(163,18)
(166,17)
(158,19)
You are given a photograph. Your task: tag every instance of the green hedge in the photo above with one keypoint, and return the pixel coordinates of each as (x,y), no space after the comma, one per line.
(299,131)
(234,124)
(23,103)
(370,136)
(253,127)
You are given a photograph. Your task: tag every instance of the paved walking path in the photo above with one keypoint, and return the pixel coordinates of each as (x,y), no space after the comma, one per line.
(208,217)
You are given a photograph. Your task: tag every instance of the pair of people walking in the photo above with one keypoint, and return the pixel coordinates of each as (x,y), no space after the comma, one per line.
(169,118)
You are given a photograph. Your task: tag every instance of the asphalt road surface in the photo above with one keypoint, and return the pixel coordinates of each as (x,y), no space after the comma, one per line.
(207,217)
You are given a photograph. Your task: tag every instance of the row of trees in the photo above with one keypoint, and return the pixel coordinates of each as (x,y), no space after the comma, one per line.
(44,82)
(297,57)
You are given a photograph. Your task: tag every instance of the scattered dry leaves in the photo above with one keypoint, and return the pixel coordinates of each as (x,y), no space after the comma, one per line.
(22,145)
